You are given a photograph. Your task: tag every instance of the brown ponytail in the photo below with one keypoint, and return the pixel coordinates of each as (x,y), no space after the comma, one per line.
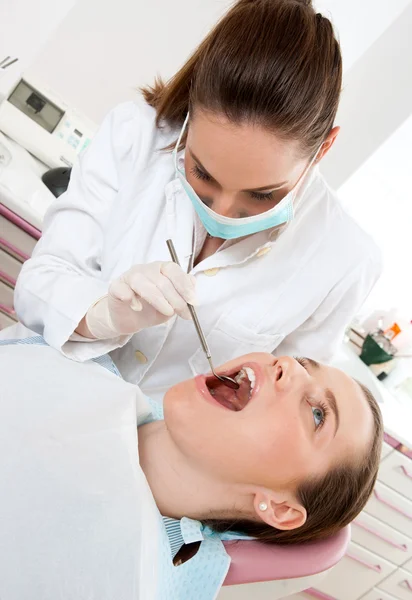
(275,63)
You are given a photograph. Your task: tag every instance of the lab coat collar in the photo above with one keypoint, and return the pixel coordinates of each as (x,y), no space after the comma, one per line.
(181,218)
(180,222)
(180,226)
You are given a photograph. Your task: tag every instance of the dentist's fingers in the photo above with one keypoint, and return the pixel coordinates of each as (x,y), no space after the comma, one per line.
(175,300)
(184,283)
(144,296)
(121,291)
(148,291)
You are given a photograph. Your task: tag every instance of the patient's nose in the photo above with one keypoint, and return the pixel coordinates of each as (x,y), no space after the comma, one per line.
(287,373)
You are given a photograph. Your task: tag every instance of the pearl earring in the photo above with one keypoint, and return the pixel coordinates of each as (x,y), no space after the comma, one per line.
(263,506)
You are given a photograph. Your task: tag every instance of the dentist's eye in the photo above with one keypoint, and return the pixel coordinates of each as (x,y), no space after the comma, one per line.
(199,174)
(260,196)
(319,415)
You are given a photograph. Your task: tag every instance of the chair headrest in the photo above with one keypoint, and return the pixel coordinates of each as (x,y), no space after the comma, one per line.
(253,562)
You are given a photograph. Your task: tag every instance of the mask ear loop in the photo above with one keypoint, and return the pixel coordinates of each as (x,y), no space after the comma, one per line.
(310,165)
(175,151)
(296,189)
(302,178)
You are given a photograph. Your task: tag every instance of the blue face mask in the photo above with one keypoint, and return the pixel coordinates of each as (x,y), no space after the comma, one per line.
(228,228)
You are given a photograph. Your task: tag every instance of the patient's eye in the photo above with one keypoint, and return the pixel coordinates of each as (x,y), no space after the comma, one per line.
(318,416)
(320,412)
(302,361)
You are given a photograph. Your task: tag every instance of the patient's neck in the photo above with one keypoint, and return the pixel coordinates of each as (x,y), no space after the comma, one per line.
(178,487)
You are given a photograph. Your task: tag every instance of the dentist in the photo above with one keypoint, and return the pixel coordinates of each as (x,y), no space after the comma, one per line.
(222,159)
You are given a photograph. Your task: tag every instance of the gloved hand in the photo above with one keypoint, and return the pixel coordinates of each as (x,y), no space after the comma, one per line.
(144,296)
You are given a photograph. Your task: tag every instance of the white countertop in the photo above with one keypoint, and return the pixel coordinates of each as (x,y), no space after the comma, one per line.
(396,406)
(21,188)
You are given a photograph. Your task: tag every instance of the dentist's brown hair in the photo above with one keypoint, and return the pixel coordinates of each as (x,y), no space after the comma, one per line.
(273,63)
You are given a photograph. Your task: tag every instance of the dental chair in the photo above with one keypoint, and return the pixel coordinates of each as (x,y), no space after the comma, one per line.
(290,569)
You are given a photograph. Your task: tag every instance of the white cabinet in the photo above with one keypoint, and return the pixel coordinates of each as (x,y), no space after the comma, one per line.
(376,594)
(396,472)
(408,566)
(386,450)
(302,596)
(9,267)
(15,240)
(358,572)
(378,537)
(399,585)
(6,295)
(7,313)
(391,508)
(5,321)
(272,590)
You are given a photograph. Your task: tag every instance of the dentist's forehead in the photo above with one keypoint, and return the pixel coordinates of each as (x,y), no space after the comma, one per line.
(241,156)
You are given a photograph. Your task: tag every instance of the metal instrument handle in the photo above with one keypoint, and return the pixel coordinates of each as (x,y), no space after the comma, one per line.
(198,327)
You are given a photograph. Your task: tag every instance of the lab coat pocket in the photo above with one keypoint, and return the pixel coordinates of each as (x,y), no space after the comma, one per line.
(230,339)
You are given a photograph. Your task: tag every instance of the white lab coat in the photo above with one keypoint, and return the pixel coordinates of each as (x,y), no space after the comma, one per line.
(291,291)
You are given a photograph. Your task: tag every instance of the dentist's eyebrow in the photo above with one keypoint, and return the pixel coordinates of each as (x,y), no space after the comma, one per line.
(273,187)
(330,396)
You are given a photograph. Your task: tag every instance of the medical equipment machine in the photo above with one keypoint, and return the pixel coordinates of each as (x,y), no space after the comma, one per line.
(228,381)
(38,120)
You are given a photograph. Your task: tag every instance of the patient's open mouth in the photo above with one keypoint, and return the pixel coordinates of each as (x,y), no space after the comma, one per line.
(233,399)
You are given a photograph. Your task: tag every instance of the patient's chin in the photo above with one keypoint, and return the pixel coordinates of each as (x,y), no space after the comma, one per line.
(177,398)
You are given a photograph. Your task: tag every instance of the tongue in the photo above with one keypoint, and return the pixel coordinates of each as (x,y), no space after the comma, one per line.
(232,399)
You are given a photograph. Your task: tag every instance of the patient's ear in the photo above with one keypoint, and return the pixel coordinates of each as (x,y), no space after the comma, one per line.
(280,510)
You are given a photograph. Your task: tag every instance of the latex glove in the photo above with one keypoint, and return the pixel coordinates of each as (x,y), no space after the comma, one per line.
(144,296)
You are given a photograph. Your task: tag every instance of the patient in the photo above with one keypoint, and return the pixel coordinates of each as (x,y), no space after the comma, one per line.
(291,456)
(293,459)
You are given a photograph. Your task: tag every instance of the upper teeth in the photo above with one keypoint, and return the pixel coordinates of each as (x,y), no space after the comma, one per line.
(249,373)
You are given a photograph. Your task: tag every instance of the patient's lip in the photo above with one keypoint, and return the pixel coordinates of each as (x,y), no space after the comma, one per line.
(201,386)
